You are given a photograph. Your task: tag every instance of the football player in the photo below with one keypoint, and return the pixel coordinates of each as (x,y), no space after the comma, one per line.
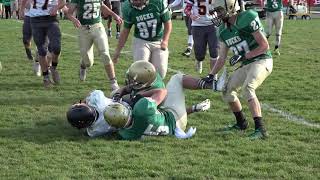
(88,114)
(148,117)
(115,6)
(26,39)
(146,86)
(142,77)
(188,22)
(150,41)
(44,24)
(274,17)
(243,34)
(203,31)
(91,31)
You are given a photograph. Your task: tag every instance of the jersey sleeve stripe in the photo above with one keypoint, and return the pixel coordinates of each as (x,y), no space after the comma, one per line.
(164,11)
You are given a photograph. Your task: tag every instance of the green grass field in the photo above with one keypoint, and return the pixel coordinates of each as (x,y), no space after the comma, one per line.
(36,142)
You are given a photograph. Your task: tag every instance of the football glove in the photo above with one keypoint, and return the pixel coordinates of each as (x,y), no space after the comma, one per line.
(116,97)
(209,78)
(235,59)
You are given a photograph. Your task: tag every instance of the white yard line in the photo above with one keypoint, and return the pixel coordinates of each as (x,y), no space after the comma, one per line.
(289,116)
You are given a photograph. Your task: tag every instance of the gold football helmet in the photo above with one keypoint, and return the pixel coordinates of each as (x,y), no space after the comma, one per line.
(223,9)
(141,74)
(118,114)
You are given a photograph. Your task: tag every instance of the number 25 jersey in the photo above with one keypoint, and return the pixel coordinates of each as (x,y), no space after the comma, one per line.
(88,11)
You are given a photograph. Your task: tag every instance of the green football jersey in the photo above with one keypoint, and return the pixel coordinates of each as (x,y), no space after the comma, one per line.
(274,5)
(158,83)
(239,38)
(148,21)
(149,120)
(88,11)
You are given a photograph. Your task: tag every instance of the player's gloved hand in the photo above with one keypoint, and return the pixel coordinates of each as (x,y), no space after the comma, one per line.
(209,78)
(235,59)
(116,97)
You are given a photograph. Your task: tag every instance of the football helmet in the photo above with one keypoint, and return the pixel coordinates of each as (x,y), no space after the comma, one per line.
(81,115)
(118,114)
(222,10)
(139,4)
(140,74)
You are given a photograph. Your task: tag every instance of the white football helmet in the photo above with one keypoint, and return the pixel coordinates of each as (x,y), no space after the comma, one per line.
(139,4)
(118,114)
(222,10)
(141,74)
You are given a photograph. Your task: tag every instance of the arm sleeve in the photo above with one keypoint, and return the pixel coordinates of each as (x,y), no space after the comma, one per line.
(126,16)
(145,107)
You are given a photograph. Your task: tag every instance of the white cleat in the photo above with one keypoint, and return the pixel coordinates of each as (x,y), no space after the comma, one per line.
(203,106)
(114,86)
(219,85)
(198,66)
(37,69)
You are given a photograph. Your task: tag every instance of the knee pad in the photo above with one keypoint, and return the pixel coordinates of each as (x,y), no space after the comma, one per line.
(249,92)
(55,50)
(229,97)
(42,51)
(87,64)
(105,57)
(200,58)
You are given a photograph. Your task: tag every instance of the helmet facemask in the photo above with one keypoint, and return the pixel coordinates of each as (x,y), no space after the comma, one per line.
(139,4)
(141,74)
(118,114)
(81,115)
(223,10)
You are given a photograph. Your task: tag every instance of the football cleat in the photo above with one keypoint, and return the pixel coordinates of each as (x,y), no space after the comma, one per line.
(187,52)
(235,127)
(37,69)
(114,86)
(259,133)
(203,106)
(109,33)
(117,35)
(47,82)
(55,75)
(82,74)
(277,52)
(198,66)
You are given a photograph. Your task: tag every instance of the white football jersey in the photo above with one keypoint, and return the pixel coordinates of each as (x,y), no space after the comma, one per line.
(201,8)
(100,127)
(38,11)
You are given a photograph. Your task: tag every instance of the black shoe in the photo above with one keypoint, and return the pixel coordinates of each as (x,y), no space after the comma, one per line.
(187,52)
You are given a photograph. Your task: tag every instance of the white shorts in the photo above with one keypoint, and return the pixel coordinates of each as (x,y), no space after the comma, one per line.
(89,35)
(151,51)
(175,100)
